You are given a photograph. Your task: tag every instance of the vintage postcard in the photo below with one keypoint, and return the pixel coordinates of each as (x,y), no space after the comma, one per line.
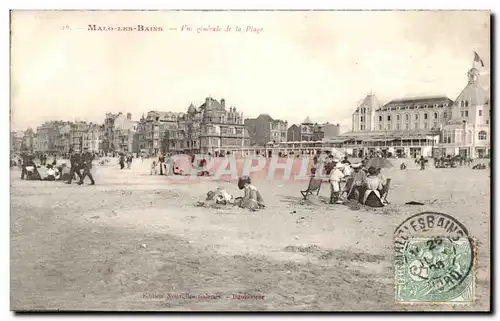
(250,160)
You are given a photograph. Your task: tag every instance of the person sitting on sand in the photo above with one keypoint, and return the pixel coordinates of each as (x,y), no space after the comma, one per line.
(403,166)
(252,198)
(64,172)
(216,198)
(357,189)
(329,164)
(50,173)
(373,185)
(178,171)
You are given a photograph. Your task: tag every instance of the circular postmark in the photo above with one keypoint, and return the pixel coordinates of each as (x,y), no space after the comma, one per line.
(434,259)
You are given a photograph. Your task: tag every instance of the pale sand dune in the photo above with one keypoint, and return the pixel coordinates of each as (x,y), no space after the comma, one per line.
(81,247)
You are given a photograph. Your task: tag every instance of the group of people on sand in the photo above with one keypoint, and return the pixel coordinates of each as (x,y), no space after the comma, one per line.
(80,166)
(251,199)
(125,159)
(452,161)
(351,182)
(166,165)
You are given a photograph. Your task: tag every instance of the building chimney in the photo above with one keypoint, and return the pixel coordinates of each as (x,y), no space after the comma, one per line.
(223,103)
(207,102)
(129,116)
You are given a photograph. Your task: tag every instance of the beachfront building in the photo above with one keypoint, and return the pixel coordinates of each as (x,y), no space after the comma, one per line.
(28,138)
(304,131)
(264,129)
(428,126)
(16,140)
(155,129)
(211,128)
(47,136)
(118,133)
(467,131)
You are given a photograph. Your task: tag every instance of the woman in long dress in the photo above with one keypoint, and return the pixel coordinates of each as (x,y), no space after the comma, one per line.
(373,185)
(252,198)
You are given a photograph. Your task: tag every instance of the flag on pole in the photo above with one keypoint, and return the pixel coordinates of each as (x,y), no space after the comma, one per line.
(478,59)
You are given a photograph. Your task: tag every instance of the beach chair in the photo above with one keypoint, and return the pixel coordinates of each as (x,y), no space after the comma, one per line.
(313,187)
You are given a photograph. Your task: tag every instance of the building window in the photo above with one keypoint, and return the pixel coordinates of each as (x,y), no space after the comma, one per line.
(397,117)
(398,127)
(407,117)
(415,126)
(482,135)
(466,103)
(426,116)
(425,106)
(461,103)
(466,113)
(462,113)
(406,126)
(435,115)
(445,115)
(480,113)
(388,117)
(416,116)
(379,118)
(362,119)
(362,127)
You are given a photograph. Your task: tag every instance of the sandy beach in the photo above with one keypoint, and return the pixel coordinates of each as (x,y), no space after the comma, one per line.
(137,242)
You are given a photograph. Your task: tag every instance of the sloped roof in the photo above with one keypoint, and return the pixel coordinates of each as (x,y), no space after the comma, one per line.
(421,101)
(475,94)
(213,104)
(370,101)
(307,120)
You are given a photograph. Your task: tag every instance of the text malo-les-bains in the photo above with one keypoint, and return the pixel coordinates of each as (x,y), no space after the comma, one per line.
(124,28)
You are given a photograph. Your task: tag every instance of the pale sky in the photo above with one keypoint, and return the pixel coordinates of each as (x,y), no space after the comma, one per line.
(316,64)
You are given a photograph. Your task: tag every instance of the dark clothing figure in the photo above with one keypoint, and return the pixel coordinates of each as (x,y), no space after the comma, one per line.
(87,166)
(122,161)
(161,162)
(75,161)
(422,162)
(24,163)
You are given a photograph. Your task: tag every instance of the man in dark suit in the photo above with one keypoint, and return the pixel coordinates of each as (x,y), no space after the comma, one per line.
(75,161)
(86,164)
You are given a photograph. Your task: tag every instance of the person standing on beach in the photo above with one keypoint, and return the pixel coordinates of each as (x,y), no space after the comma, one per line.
(75,160)
(87,159)
(169,165)
(336,177)
(422,162)
(161,162)
(122,161)
(129,161)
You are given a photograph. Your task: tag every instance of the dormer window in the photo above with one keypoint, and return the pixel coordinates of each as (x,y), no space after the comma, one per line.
(435,105)
(425,106)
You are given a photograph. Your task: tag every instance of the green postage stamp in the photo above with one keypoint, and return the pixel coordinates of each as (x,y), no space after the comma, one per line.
(434,260)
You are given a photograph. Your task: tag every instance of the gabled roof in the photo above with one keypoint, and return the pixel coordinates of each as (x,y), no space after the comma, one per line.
(307,121)
(370,101)
(214,104)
